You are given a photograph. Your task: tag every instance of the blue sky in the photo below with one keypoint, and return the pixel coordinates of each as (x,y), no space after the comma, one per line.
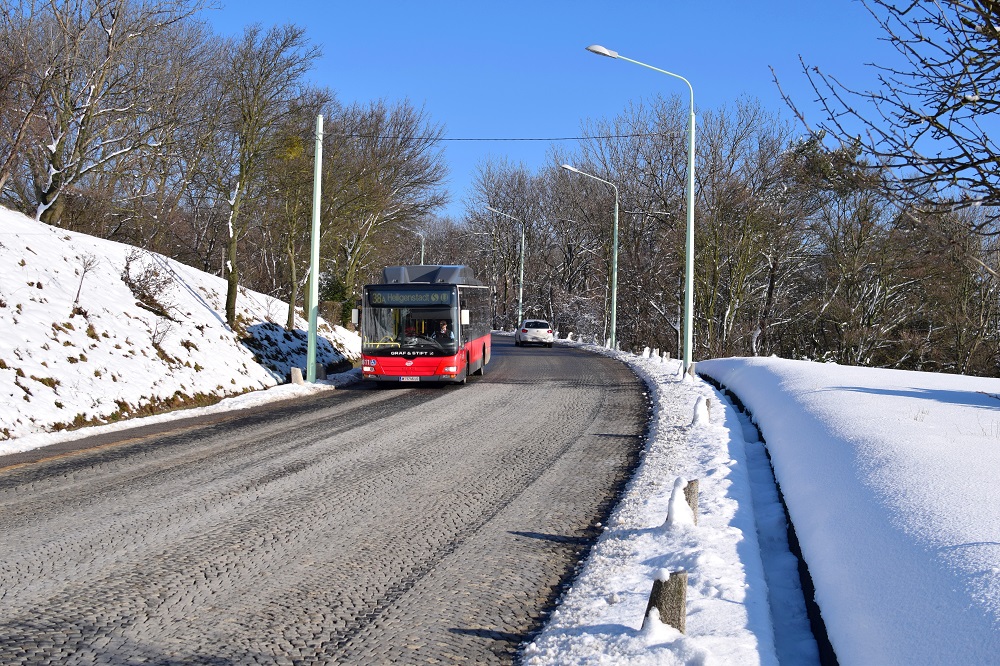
(518,69)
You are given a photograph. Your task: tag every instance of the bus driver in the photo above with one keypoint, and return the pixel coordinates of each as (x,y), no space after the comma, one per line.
(443,334)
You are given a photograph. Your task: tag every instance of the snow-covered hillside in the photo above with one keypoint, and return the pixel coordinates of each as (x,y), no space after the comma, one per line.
(93,331)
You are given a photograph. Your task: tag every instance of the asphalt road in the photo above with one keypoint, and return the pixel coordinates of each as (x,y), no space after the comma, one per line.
(362,526)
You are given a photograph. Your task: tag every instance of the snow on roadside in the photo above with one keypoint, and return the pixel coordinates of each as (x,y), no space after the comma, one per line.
(600,618)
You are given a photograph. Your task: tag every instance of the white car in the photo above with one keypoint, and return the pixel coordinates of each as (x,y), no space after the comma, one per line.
(534,331)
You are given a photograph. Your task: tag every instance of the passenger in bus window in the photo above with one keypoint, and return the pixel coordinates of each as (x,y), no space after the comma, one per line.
(444,334)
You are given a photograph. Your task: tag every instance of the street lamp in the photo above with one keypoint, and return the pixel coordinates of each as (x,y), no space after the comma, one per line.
(312,342)
(520,279)
(614,252)
(569,283)
(689,245)
(414,231)
(492,275)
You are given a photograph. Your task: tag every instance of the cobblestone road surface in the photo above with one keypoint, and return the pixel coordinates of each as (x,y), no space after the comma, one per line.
(365,526)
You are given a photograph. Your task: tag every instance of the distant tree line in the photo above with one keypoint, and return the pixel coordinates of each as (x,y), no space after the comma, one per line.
(841,242)
(801,251)
(871,239)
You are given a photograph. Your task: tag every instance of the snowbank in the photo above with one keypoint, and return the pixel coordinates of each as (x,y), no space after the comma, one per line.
(891,482)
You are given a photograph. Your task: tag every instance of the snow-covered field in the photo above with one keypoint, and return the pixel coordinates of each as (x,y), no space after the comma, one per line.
(889,476)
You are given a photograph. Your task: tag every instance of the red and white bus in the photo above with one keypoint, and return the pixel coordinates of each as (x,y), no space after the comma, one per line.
(425,324)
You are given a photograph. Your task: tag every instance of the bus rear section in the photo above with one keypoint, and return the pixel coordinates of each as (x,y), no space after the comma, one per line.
(423,331)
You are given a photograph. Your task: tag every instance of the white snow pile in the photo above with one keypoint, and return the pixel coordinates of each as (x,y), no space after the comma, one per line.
(890,481)
(652,531)
(890,478)
(95,332)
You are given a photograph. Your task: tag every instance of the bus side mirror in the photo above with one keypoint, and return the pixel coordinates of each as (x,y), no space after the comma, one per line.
(354,316)
(465,317)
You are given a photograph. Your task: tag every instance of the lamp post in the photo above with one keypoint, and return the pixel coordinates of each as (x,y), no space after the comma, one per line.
(493,274)
(570,284)
(520,279)
(614,252)
(414,231)
(689,245)
(678,327)
(311,339)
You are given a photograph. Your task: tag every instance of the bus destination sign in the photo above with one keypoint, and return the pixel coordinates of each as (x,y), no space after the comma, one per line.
(409,297)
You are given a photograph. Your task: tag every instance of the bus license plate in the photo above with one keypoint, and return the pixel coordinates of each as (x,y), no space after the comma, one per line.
(409,379)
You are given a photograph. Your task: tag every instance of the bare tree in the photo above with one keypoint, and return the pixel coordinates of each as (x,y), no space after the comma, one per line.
(572,255)
(930,127)
(953,321)
(865,300)
(22,86)
(390,175)
(150,188)
(93,70)
(646,149)
(285,237)
(519,196)
(263,76)
(751,230)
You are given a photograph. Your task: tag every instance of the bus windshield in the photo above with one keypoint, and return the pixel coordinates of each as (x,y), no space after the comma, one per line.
(402,321)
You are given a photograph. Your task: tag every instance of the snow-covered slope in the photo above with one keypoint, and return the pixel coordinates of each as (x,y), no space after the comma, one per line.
(93,331)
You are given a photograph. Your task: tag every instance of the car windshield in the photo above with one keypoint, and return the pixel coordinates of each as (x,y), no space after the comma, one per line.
(536,324)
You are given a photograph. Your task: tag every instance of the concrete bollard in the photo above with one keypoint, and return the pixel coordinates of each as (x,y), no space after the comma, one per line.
(320,371)
(297,376)
(669,598)
(691,495)
(682,507)
(702,411)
